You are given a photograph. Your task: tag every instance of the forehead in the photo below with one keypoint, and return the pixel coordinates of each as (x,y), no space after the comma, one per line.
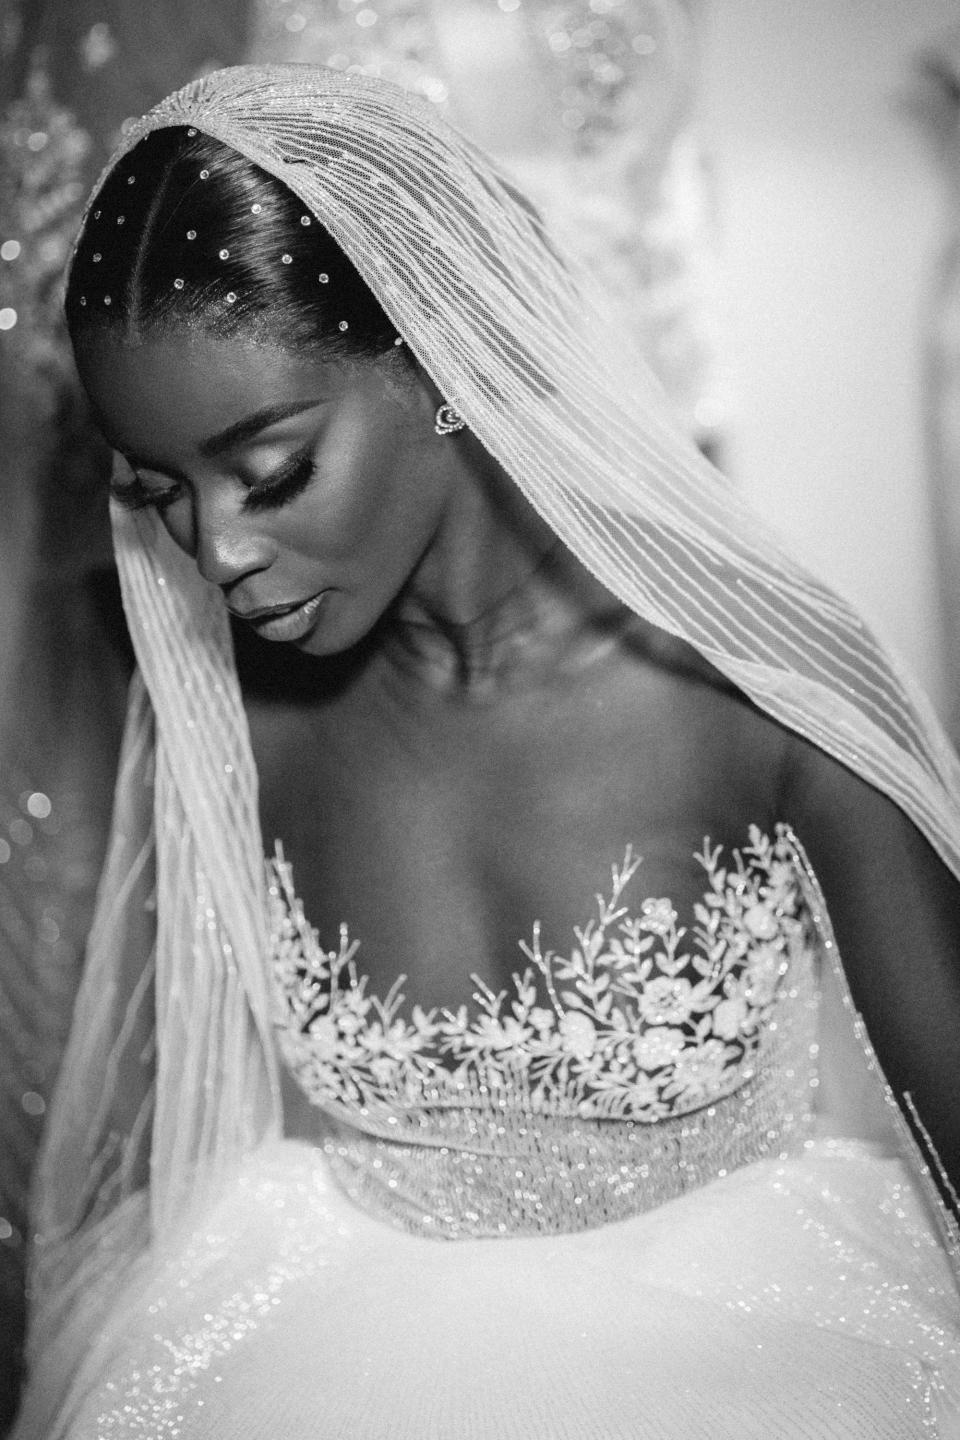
(165,395)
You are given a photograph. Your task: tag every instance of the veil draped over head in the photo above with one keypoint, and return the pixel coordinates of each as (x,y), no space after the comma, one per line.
(171,1072)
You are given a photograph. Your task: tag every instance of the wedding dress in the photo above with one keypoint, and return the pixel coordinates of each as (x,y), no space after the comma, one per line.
(604,1216)
(598,1205)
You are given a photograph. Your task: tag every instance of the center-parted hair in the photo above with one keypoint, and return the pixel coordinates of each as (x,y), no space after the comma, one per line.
(185,230)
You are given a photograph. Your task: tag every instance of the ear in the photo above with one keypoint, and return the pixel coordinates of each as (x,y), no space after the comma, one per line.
(431,396)
(408,381)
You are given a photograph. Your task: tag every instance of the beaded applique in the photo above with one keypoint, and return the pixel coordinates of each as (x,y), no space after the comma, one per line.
(645,1020)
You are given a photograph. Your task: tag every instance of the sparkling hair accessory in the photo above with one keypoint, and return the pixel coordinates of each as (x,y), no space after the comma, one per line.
(243,242)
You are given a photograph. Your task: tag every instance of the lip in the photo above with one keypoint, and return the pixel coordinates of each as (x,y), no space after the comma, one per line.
(284,622)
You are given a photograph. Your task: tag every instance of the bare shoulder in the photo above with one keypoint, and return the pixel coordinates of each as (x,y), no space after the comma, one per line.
(861,843)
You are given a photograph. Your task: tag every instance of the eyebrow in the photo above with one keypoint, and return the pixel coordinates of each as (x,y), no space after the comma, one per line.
(251,425)
(216,444)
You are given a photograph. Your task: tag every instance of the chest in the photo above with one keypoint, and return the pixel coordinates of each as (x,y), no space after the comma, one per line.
(709,1033)
(439,834)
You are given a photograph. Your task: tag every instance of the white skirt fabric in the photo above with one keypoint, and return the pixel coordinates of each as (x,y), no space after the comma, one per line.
(799,1298)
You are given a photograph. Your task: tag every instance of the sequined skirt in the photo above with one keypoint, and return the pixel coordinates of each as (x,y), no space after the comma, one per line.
(800,1298)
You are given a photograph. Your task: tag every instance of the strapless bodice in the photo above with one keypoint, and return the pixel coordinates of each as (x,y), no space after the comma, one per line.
(654,1057)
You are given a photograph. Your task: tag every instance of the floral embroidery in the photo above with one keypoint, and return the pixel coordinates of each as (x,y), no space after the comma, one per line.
(646,1020)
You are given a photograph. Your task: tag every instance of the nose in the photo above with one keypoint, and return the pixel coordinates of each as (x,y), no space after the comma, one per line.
(227,545)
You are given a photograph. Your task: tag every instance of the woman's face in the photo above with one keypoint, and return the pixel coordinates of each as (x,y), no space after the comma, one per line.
(308,490)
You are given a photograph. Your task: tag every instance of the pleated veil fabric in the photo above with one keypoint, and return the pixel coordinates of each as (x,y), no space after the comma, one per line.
(171,1074)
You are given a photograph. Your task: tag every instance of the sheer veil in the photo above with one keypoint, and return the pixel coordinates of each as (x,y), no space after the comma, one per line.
(171,1073)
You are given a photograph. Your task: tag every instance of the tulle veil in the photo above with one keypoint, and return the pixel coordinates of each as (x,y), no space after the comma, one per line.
(171,1073)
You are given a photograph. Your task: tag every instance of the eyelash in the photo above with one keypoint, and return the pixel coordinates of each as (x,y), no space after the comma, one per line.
(284,485)
(134,495)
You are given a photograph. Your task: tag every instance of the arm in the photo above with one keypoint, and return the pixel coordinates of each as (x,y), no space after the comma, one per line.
(896,912)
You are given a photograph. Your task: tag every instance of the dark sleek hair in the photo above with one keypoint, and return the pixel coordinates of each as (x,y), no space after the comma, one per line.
(186,230)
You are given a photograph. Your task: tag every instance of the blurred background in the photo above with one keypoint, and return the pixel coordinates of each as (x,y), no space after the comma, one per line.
(770,193)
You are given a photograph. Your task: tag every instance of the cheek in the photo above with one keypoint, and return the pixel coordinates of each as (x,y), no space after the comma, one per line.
(369,504)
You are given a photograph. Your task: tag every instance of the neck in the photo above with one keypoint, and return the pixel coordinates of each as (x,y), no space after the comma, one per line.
(497,600)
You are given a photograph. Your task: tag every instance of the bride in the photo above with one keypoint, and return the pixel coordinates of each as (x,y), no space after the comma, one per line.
(524,993)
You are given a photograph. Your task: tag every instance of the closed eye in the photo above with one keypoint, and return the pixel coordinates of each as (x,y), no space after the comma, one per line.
(278,489)
(135,495)
(283,485)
